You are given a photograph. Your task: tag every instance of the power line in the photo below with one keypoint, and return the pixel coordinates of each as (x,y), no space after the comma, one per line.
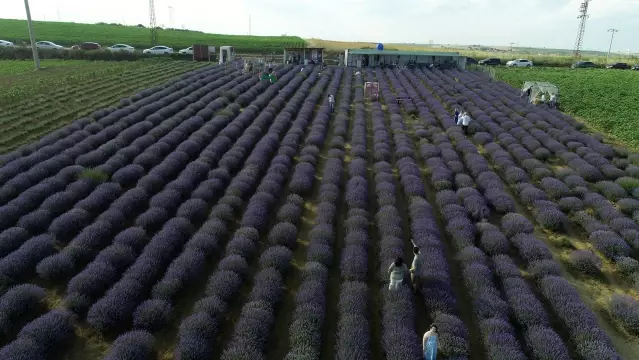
(612,36)
(583,16)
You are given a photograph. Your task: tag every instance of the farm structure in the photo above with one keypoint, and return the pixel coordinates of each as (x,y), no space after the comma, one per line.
(374,57)
(217,217)
(303,55)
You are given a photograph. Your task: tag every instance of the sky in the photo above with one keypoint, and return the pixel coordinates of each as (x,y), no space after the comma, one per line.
(528,23)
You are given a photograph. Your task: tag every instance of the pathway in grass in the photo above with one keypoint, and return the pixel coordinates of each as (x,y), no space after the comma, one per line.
(279,342)
(422,318)
(340,144)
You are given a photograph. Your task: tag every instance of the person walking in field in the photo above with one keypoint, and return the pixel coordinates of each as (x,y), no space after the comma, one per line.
(415,269)
(331,102)
(397,271)
(464,121)
(429,343)
(456,115)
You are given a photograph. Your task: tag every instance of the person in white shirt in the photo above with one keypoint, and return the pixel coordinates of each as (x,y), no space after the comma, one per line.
(543,98)
(415,269)
(397,271)
(464,120)
(331,102)
(553,101)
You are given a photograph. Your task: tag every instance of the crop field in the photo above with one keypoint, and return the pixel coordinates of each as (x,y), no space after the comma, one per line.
(68,34)
(33,104)
(216,218)
(606,100)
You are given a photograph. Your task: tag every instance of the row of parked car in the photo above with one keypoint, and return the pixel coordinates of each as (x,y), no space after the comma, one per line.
(155,50)
(617,65)
(577,65)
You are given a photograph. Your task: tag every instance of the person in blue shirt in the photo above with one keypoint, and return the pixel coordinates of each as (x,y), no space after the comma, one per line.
(456,115)
(429,343)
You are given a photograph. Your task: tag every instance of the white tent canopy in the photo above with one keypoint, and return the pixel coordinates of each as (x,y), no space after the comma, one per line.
(539,87)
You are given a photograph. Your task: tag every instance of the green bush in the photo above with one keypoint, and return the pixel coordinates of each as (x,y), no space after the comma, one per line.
(68,34)
(628,183)
(94,174)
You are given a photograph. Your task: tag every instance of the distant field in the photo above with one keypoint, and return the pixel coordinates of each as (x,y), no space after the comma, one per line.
(33,103)
(546,59)
(69,34)
(605,99)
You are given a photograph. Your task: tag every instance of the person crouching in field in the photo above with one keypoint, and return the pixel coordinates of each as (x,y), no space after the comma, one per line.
(269,77)
(464,121)
(331,102)
(415,269)
(397,272)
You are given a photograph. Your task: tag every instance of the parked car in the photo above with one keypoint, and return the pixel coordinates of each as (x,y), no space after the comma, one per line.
(583,64)
(48,45)
(471,61)
(519,63)
(5,43)
(635,67)
(617,65)
(490,61)
(90,46)
(187,51)
(120,48)
(158,50)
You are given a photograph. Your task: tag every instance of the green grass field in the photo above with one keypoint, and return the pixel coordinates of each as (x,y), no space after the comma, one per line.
(24,67)
(34,103)
(606,100)
(68,34)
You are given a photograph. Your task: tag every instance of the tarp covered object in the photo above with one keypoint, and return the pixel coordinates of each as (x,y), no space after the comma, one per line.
(539,87)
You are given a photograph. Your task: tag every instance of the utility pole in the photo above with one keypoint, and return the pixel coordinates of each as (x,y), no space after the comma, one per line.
(612,36)
(511,46)
(152,24)
(249,25)
(34,48)
(170,16)
(583,16)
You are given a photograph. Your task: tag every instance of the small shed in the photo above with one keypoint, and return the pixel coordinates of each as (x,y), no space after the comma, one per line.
(303,55)
(374,57)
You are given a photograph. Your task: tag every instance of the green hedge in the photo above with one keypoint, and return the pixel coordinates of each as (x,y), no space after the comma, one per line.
(69,34)
(24,53)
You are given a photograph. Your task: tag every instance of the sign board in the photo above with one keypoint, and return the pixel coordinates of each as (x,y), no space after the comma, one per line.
(371,90)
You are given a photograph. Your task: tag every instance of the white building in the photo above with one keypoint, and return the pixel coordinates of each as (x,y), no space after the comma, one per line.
(373,57)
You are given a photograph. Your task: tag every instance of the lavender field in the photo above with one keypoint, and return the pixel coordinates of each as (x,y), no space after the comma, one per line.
(216,218)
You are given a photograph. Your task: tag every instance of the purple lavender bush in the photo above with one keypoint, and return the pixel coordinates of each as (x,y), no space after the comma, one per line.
(625,309)
(586,262)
